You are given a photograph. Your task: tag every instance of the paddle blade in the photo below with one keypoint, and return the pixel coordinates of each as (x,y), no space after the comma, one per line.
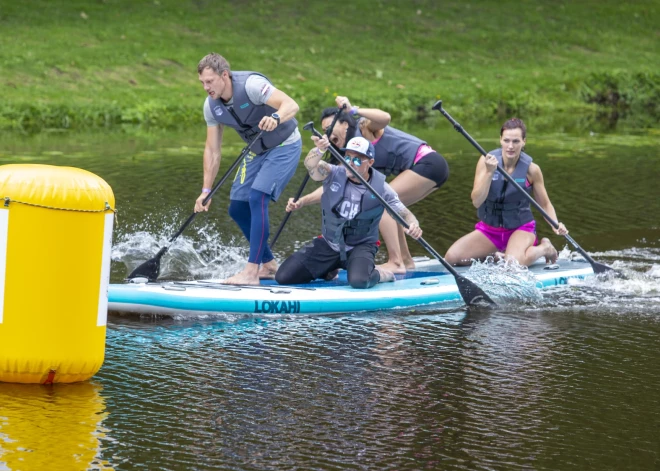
(149,269)
(602,268)
(472,294)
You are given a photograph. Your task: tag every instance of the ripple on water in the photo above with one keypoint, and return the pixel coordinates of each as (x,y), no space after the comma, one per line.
(397,391)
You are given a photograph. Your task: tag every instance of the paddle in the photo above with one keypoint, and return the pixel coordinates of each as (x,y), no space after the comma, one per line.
(151,267)
(471,293)
(305,180)
(597,267)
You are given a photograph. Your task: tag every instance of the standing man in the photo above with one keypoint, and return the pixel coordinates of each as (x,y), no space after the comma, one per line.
(248,103)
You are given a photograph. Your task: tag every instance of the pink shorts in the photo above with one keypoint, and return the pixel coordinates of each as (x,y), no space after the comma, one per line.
(500,236)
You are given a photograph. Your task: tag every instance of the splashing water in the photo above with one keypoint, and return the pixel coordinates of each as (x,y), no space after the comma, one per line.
(206,256)
(607,293)
(654,272)
(505,281)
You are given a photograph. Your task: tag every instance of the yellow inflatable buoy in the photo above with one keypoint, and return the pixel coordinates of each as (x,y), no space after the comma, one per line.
(55,243)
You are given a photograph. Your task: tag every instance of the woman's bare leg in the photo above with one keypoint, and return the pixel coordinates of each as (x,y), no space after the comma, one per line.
(411,187)
(521,247)
(474,245)
(389,231)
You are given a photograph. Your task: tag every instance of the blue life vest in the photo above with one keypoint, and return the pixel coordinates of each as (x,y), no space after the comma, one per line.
(363,228)
(244,116)
(505,205)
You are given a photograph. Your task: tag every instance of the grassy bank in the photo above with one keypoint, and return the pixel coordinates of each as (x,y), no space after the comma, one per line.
(104,63)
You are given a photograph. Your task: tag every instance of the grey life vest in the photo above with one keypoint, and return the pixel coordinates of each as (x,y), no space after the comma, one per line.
(505,205)
(244,116)
(395,150)
(363,228)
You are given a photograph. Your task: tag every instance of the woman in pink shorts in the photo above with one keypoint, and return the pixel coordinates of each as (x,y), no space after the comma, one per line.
(507,227)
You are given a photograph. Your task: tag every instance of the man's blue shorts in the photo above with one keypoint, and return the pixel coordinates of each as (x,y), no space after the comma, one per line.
(268,172)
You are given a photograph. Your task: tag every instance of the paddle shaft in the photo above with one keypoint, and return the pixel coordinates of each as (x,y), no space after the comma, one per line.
(216,187)
(288,214)
(512,181)
(328,132)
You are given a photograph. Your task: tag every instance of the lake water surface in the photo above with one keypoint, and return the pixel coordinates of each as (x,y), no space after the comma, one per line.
(569,381)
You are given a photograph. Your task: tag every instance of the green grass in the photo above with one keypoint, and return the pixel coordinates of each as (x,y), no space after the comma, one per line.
(106,62)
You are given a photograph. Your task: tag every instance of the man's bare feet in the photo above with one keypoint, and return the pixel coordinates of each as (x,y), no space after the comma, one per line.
(385,275)
(549,251)
(249,276)
(268,270)
(398,268)
(241,279)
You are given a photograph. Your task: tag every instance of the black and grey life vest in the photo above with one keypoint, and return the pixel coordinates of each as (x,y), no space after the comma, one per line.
(244,116)
(505,205)
(363,228)
(395,150)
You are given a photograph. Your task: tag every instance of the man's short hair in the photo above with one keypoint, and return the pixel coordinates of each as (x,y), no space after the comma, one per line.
(215,62)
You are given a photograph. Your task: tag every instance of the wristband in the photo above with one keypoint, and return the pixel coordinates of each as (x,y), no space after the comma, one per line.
(206,190)
(354,110)
(320,152)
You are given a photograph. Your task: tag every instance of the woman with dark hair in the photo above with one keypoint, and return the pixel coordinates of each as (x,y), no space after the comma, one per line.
(507,228)
(418,169)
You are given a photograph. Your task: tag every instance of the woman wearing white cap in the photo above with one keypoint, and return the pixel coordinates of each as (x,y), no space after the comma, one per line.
(350,218)
(418,169)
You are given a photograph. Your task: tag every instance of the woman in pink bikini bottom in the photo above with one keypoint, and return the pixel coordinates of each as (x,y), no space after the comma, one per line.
(500,236)
(507,228)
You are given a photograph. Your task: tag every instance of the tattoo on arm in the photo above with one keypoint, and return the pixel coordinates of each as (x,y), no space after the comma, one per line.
(317,168)
(323,168)
(311,161)
(407,216)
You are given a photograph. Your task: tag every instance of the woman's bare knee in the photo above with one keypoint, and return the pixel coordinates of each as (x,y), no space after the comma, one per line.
(454,257)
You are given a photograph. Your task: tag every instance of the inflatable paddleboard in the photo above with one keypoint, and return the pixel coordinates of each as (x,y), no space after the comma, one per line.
(428,285)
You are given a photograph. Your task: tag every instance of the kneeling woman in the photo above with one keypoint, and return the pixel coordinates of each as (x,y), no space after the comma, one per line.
(351,215)
(507,227)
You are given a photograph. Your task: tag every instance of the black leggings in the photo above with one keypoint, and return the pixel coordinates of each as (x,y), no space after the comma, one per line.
(317,259)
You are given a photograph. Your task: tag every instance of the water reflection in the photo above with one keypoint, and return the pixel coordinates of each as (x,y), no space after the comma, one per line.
(506,368)
(423,427)
(57,427)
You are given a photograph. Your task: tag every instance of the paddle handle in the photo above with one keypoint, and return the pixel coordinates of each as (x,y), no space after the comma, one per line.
(510,179)
(217,186)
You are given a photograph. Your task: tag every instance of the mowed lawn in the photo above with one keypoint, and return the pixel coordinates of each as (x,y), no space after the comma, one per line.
(108,61)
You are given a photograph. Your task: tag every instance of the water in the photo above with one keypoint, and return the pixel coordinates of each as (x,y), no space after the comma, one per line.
(567,379)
